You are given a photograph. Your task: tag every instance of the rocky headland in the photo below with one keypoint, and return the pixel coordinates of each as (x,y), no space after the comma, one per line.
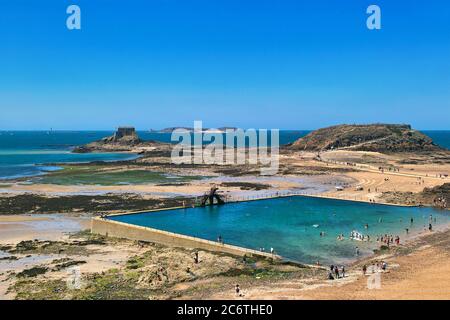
(370,137)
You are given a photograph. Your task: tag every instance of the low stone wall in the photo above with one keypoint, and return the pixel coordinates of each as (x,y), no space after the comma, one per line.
(128,231)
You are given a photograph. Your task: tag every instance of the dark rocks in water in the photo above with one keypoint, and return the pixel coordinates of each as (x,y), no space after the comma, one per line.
(371,137)
(68,264)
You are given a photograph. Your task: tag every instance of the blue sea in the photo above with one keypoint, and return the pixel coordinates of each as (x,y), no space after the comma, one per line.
(28,153)
(292,225)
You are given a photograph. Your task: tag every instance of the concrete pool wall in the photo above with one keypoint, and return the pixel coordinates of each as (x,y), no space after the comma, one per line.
(117,229)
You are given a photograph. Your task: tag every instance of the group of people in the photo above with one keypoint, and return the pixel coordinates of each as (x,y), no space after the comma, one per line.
(355,235)
(388,239)
(336,273)
(377,266)
(262,249)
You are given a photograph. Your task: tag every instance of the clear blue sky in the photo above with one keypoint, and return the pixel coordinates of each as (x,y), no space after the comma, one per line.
(247,63)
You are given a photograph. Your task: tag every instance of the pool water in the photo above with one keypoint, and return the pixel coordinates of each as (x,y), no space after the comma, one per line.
(292,225)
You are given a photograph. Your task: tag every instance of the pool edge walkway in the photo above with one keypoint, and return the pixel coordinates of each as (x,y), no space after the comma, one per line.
(118,229)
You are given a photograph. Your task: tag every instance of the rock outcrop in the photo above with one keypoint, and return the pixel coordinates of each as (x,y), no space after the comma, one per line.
(371,137)
(438,197)
(124,135)
(124,139)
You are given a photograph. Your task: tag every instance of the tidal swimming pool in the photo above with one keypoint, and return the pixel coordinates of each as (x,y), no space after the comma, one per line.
(292,225)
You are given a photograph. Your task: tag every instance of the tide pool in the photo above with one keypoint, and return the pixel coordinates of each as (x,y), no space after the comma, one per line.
(289,225)
(26,163)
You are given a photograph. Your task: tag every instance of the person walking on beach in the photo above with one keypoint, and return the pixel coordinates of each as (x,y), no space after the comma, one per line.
(364,269)
(343,272)
(196,257)
(430,227)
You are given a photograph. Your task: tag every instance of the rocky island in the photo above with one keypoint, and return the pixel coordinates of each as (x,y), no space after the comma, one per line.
(125,139)
(370,137)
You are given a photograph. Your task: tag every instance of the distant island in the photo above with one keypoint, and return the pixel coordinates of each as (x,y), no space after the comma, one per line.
(370,137)
(355,137)
(125,139)
(171,129)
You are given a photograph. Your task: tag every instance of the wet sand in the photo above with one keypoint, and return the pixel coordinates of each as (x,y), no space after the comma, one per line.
(14,229)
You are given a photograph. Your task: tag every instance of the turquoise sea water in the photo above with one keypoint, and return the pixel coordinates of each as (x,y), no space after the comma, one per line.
(287,225)
(26,153)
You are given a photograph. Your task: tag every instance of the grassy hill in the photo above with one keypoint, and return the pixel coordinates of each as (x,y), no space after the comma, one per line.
(370,137)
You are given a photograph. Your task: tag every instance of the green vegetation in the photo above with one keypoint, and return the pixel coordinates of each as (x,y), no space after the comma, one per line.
(107,176)
(30,289)
(54,247)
